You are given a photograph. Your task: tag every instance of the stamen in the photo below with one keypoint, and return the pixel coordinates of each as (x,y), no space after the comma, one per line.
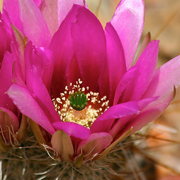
(80,105)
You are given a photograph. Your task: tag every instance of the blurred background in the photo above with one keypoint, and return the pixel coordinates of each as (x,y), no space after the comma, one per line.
(162,138)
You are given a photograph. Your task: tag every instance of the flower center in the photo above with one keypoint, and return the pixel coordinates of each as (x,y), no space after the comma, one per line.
(80,105)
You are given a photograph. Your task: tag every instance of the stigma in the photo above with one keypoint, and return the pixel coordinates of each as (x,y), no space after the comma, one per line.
(78,104)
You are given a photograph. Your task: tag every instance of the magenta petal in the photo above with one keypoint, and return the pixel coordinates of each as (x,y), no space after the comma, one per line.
(55,11)
(29,107)
(144,118)
(42,60)
(146,66)
(116,59)
(95,144)
(63,52)
(6,81)
(6,72)
(128,22)
(162,85)
(38,2)
(89,44)
(38,68)
(40,94)
(127,122)
(33,22)
(64,7)
(165,79)
(10,119)
(49,9)
(73,129)
(135,82)
(123,90)
(105,121)
(151,112)
(12,8)
(5,37)
(124,110)
(78,49)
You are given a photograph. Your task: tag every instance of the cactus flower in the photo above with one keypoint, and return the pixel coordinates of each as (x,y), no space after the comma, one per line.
(82,85)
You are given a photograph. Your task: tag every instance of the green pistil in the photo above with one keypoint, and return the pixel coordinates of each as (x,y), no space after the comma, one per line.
(78,101)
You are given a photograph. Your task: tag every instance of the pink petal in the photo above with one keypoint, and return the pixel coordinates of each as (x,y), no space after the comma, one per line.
(29,107)
(40,94)
(42,60)
(19,73)
(89,44)
(82,50)
(128,22)
(145,41)
(123,89)
(63,52)
(146,66)
(38,67)
(125,123)
(162,85)
(38,2)
(165,79)
(49,9)
(73,129)
(144,118)
(13,10)
(55,11)
(103,83)
(150,113)
(34,25)
(64,7)
(6,81)
(105,121)
(116,60)
(5,38)
(136,81)
(95,144)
